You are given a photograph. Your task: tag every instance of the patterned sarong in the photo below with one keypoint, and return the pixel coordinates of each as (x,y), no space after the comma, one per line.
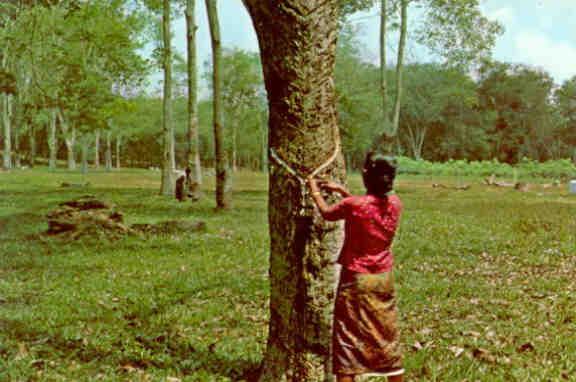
(366,336)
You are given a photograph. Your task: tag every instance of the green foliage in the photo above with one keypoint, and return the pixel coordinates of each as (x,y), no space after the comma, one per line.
(556,169)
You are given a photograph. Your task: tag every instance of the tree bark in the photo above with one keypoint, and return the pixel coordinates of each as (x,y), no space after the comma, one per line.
(69,139)
(297,46)
(97,149)
(52,140)
(118,146)
(17,155)
(193,152)
(400,64)
(167,182)
(32,143)
(221,165)
(6,119)
(84,154)
(108,153)
(383,63)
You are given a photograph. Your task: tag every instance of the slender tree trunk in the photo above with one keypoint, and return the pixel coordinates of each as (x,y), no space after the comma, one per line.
(118,146)
(297,47)
(97,149)
(383,65)
(221,166)
(32,143)
(108,153)
(52,140)
(193,152)
(84,148)
(400,64)
(6,119)
(234,147)
(70,141)
(17,156)
(167,183)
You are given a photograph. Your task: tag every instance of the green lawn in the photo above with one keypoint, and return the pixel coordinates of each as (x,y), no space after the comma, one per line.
(487,282)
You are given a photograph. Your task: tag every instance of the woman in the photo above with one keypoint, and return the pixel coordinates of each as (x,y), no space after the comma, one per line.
(365,335)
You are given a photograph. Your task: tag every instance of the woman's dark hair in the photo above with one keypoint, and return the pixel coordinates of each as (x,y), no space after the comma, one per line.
(379,173)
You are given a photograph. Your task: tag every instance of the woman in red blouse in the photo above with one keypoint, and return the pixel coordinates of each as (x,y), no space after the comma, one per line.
(365,334)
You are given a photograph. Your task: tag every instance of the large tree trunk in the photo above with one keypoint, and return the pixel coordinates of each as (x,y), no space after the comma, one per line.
(221,165)
(7,122)
(52,140)
(97,149)
(193,151)
(108,153)
(297,46)
(167,183)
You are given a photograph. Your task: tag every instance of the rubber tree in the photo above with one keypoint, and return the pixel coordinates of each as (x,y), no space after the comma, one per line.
(167,184)
(221,163)
(297,41)
(193,150)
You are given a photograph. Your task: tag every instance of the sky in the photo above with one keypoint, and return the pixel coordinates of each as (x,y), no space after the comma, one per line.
(540,33)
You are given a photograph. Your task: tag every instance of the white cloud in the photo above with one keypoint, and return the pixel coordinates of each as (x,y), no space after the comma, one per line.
(556,57)
(504,15)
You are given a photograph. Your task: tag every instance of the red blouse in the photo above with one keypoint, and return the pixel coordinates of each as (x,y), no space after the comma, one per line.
(371,224)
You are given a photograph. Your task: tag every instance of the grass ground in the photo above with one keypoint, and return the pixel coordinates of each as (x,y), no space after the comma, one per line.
(486,280)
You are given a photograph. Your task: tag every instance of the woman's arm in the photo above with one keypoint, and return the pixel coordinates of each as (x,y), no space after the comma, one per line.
(329,212)
(335,187)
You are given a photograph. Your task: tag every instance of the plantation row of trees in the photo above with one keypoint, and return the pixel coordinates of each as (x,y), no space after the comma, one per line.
(67,72)
(76,81)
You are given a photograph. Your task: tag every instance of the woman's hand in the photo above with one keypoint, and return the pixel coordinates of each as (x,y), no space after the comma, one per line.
(334,187)
(330,186)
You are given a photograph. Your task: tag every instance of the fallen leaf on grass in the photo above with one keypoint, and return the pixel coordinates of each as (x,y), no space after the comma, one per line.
(483,355)
(173,379)
(525,347)
(457,351)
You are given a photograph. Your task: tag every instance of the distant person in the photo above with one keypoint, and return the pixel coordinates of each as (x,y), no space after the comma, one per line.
(182,189)
(365,335)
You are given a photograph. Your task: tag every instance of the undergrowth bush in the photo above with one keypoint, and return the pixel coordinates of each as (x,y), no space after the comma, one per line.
(556,169)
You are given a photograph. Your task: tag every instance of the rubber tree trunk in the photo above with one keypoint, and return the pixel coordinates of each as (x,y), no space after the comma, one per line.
(52,140)
(118,150)
(69,140)
(97,149)
(222,176)
(84,155)
(297,46)
(167,183)
(108,153)
(32,143)
(400,64)
(387,138)
(193,152)
(7,124)
(383,63)
(17,156)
